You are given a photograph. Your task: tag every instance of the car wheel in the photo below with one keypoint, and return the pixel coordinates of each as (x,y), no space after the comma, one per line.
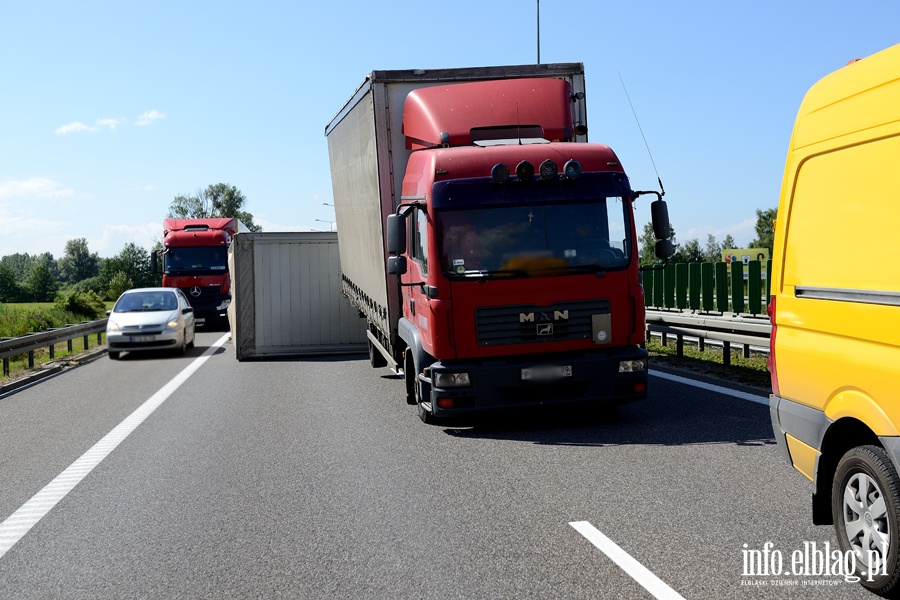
(865,497)
(193,338)
(182,350)
(113,355)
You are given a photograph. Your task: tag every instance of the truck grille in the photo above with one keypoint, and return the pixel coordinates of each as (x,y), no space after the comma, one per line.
(527,323)
(205,291)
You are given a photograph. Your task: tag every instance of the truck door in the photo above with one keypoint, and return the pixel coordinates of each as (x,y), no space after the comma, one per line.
(416,303)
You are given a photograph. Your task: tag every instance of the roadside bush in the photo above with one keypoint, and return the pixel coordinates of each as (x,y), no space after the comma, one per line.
(87,304)
(118,284)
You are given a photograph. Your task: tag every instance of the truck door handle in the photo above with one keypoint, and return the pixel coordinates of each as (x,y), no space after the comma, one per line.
(412,306)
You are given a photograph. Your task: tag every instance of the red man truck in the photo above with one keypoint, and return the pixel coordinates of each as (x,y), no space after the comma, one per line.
(491,250)
(195,259)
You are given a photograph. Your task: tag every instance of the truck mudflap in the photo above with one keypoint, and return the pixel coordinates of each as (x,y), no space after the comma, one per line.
(539,380)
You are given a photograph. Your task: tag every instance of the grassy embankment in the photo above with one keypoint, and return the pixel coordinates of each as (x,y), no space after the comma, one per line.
(745,371)
(21,319)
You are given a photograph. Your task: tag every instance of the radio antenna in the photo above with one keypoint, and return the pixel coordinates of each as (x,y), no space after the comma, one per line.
(634,112)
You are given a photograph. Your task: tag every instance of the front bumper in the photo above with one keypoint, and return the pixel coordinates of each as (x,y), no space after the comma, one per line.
(498,384)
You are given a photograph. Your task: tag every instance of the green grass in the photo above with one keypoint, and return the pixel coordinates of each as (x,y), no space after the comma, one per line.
(746,371)
(21,319)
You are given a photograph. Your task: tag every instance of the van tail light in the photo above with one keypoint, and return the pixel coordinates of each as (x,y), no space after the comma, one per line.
(770,362)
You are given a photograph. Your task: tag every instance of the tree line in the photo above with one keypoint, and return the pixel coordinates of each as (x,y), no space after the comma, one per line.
(691,250)
(42,278)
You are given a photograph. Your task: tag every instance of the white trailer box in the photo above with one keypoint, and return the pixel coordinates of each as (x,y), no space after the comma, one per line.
(286,297)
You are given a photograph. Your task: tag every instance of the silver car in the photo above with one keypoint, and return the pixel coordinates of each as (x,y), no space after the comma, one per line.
(150,319)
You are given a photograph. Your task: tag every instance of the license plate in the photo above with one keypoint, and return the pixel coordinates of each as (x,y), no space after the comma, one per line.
(141,338)
(546,372)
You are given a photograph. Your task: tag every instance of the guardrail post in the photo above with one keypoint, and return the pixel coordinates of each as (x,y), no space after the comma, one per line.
(6,367)
(768,281)
(707,281)
(681,285)
(86,341)
(726,353)
(669,282)
(647,282)
(721,287)
(658,288)
(694,286)
(69,346)
(737,287)
(754,287)
(31,359)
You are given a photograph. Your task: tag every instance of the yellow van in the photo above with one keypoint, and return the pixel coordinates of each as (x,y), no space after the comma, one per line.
(835,311)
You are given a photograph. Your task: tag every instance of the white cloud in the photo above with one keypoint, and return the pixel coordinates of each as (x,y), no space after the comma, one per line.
(115,237)
(74,127)
(36,187)
(149,117)
(78,126)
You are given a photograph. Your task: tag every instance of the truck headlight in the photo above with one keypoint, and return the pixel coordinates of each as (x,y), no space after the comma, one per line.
(632,366)
(223,305)
(452,380)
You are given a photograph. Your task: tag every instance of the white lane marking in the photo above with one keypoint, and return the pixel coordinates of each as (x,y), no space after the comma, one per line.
(20,522)
(713,388)
(650,582)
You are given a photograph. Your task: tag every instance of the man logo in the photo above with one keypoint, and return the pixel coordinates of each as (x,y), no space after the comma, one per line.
(545,329)
(558,315)
(195,291)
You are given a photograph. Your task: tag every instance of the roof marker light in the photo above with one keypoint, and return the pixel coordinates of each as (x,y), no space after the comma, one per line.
(500,173)
(572,169)
(524,170)
(549,170)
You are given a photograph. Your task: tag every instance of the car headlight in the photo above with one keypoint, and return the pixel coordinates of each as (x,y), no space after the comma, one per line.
(173,324)
(452,380)
(112,326)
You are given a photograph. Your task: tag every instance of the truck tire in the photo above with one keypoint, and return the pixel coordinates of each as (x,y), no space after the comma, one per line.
(865,498)
(409,378)
(376,358)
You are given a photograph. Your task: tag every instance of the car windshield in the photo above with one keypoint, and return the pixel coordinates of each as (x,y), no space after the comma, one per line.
(146,301)
(202,258)
(534,240)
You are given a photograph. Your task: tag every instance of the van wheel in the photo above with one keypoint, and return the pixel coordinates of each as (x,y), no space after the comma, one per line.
(865,497)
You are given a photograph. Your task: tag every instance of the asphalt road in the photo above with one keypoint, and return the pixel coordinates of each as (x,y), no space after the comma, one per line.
(314,479)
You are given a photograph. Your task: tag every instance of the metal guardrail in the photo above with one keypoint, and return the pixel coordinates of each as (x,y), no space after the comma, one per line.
(27,344)
(746,330)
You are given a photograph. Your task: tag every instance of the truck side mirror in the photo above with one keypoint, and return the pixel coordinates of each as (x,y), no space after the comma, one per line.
(396,235)
(396,265)
(659,213)
(665,249)
(154,263)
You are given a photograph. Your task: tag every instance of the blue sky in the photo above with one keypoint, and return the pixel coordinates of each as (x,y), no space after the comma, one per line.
(108,110)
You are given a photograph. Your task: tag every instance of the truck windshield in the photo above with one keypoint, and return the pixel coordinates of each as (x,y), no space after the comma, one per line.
(203,258)
(532,240)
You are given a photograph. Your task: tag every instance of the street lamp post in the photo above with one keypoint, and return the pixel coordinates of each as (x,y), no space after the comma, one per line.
(331,224)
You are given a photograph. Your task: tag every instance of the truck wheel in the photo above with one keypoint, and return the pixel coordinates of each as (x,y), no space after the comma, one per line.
(423,407)
(409,378)
(865,497)
(114,355)
(375,357)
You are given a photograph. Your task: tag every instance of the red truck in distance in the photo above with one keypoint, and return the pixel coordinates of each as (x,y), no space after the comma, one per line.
(491,250)
(195,259)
